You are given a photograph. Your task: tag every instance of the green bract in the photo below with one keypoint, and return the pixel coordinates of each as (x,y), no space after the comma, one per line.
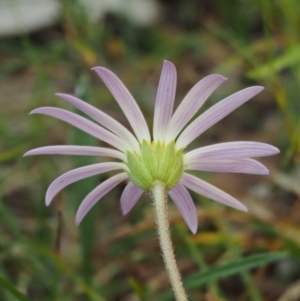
(155,161)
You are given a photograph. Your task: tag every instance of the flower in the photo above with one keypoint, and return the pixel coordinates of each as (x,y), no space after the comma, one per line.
(145,159)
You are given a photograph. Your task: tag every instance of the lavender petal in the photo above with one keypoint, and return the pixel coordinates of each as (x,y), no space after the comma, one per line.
(214,114)
(130,196)
(230,150)
(126,102)
(84,125)
(76,150)
(102,118)
(192,103)
(95,195)
(79,174)
(241,165)
(164,101)
(185,205)
(210,191)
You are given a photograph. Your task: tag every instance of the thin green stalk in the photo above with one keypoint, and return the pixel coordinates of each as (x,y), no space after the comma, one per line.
(162,222)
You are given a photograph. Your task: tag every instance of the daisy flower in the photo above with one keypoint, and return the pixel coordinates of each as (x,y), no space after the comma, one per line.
(145,159)
(157,162)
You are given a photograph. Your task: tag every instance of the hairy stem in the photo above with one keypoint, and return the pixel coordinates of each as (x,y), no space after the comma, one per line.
(162,222)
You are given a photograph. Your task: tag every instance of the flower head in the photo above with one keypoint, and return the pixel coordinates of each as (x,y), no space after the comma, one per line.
(144,159)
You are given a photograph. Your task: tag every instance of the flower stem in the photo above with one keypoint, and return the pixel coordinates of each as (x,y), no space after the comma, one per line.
(162,222)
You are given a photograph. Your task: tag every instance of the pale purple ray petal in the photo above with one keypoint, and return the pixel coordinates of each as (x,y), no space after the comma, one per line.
(240,165)
(102,118)
(129,197)
(192,103)
(76,150)
(214,114)
(210,191)
(79,174)
(185,205)
(164,100)
(84,125)
(126,102)
(230,150)
(95,195)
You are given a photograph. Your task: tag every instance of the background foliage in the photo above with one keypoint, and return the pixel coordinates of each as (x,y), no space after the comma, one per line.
(110,257)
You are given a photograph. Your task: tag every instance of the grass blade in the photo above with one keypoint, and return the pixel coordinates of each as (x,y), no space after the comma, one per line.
(12,289)
(225,270)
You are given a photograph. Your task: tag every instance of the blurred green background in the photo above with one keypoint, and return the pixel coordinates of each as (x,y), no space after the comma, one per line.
(111,257)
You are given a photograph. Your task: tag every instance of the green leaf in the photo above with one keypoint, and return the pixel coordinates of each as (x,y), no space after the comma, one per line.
(225,270)
(231,268)
(289,58)
(12,289)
